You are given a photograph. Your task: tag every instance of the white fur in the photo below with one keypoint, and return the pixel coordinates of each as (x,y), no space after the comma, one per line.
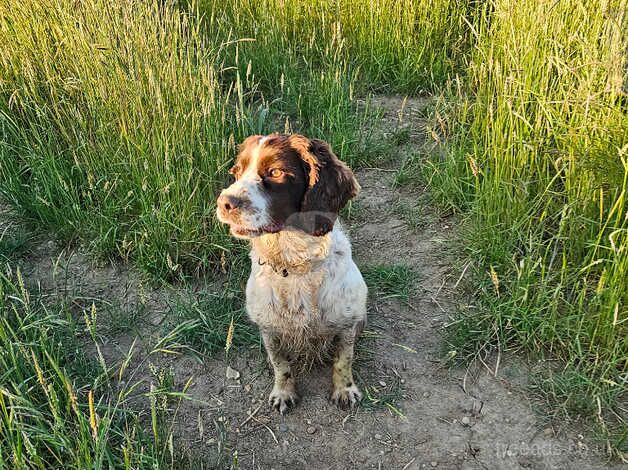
(322,295)
(248,187)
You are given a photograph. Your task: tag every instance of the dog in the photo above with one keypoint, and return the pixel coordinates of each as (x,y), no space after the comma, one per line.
(304,292)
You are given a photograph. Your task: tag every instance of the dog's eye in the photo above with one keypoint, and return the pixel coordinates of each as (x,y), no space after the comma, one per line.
(275,173)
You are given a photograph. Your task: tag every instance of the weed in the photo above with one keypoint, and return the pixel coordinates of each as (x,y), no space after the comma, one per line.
(55,406)
(202,323)
(13,242)
(389,281)
(414,216)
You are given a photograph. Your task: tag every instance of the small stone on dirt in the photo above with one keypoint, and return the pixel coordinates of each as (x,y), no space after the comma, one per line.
(156,319)
(378,436)
(434,464)
(382,383)
(426,394)
(311,430)
(548,432)
(232,374)
(465,420)
(283,427)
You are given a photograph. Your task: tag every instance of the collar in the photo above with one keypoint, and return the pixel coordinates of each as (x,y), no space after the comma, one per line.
(282,271)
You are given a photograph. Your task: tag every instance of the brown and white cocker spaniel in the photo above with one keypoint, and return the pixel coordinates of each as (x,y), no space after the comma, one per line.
(305,293)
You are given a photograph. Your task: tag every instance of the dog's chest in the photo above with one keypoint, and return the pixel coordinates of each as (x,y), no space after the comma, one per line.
(291,303)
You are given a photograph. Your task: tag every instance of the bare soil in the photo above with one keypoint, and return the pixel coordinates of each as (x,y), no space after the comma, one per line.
(440,417)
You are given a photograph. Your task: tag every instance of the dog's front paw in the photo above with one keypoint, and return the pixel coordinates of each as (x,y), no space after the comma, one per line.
(282,398)
(346,396)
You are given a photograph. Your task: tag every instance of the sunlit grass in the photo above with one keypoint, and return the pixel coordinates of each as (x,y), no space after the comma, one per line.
(57,407)
(115,129)
(539,160)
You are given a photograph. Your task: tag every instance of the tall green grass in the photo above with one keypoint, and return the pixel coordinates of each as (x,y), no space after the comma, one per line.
(394,45)
(310,60)
(115,129)
(57,409)
(540,161)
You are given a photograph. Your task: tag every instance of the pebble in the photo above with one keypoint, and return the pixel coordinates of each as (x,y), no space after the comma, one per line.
(465,420)
(434,463)
(403,381)
(232,373)
(156,320)
(311,430)
(548,432)
(283,427)
(426,394)
(378,436)
(382,383)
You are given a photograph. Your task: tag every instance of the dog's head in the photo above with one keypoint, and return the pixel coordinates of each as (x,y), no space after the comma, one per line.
(285,181)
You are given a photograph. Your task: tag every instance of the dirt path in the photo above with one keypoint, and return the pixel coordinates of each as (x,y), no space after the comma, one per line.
(439,418)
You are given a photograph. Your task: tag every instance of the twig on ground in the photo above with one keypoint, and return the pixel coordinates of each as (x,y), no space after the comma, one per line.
(269,430)
(251,416)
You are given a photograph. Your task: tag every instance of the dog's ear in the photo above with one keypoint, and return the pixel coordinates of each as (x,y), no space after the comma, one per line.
(330,185)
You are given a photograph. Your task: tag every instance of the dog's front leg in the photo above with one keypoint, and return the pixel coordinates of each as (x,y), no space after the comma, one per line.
(284,392)
(345,392)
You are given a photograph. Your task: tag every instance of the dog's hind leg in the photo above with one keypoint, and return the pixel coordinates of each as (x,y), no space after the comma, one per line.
(284,392)
(345,392)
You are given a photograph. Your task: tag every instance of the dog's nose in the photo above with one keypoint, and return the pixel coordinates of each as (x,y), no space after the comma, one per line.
(228,203)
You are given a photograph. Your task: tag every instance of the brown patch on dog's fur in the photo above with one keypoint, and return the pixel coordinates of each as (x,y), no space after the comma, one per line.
(331,185)
(314,185)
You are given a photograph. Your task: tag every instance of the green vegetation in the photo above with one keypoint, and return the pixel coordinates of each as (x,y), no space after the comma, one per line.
(118,121)
(13,242)
(115,128)
(539,164)
(389,281)
(202,325)
(57,408)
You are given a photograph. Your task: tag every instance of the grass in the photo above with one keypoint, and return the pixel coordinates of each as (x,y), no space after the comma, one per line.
(13,242)
(537,162)
(63,406)
(115,128)
(203,324)
(386,281)
(403,46)
(56,406)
